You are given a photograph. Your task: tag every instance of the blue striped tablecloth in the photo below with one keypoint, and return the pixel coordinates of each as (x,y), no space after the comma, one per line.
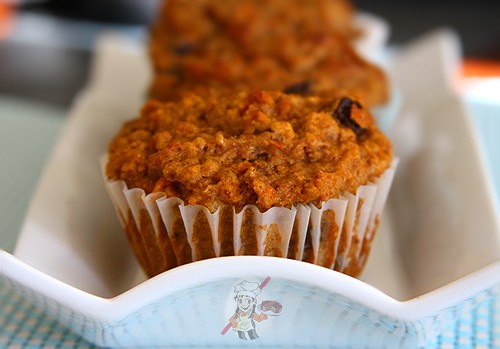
(27,132)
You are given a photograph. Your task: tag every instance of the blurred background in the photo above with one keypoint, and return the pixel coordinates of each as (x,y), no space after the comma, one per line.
(46,45)
(46,50)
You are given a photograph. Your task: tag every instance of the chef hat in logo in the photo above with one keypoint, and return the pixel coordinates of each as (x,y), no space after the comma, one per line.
(245,288)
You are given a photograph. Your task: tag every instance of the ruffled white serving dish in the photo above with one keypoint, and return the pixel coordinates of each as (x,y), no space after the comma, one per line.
(436,254)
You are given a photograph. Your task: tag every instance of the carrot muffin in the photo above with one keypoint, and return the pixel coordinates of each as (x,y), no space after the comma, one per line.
(262,173)
(289,45)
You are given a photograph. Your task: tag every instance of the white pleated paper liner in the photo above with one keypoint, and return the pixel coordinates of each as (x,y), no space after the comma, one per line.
(164,232)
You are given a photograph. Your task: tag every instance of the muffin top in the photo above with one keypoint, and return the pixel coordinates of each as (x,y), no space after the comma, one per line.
(297,45)
(262,148)
(253,27)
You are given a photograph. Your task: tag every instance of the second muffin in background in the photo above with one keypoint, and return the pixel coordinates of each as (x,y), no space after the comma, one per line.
(260,173)
(296,46)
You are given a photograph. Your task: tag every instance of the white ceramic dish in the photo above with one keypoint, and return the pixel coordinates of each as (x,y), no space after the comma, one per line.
(375,34)
(440,225)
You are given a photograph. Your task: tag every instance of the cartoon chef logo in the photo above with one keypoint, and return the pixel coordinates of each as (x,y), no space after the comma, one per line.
(249,311)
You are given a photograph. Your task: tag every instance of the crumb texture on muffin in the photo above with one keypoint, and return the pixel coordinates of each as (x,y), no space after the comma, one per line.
(269,149)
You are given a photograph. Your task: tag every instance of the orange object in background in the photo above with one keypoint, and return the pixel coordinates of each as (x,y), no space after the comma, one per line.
(481,80)
(476,68)
(6,19)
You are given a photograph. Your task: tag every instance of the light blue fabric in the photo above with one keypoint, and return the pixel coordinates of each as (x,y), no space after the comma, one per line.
(22,326)
(27,132)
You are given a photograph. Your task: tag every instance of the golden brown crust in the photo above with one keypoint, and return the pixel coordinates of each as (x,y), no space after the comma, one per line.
(263,148)
(260,44)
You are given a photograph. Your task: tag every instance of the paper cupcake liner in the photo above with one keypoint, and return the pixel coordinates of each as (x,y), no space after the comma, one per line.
(164,232)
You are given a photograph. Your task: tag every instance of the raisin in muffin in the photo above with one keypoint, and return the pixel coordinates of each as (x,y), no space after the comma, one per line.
(250,173)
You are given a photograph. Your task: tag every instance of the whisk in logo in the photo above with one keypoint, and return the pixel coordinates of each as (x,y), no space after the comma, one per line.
(249,311)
